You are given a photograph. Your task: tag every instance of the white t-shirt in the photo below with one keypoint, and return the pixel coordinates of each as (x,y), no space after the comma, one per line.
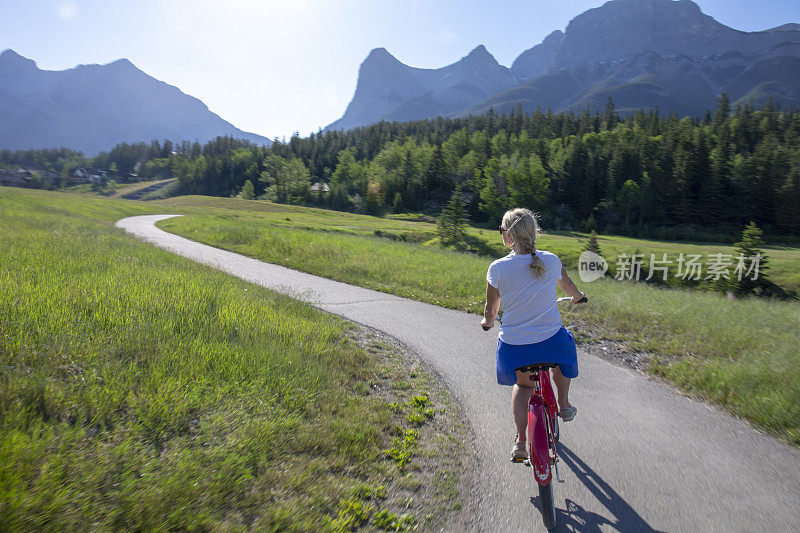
(530,313)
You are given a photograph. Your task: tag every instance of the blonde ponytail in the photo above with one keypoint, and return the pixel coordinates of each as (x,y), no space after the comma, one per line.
(537,265)
(521,225)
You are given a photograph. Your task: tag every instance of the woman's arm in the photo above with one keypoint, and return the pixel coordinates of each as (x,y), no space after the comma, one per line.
(568,286)
(492,307)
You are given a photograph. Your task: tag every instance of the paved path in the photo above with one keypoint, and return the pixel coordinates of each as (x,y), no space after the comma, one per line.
(638,457)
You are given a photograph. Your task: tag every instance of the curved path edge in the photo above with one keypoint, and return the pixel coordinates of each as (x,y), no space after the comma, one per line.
(638,457)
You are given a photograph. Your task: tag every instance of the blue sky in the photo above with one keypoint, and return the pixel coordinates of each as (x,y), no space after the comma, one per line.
(274,67)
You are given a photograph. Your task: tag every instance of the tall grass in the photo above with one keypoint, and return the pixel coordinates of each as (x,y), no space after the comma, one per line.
(784,260)
(142,391)
(420,272)
(743,354)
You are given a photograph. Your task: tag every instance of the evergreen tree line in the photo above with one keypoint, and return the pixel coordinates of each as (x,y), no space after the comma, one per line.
(644,174)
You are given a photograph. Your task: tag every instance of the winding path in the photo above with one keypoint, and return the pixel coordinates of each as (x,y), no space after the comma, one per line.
(638,457)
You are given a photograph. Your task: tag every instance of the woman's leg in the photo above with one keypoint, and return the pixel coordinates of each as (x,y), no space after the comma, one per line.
(520,397)
(562,384)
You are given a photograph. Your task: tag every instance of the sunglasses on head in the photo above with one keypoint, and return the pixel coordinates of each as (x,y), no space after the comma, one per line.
(501,230)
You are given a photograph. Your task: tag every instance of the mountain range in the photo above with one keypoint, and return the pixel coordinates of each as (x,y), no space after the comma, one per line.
(642,53)
(91,108)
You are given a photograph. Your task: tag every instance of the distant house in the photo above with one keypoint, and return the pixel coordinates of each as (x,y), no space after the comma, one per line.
(86,175)
(317,186)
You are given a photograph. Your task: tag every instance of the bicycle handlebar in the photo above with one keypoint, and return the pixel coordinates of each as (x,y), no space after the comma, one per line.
(581,301)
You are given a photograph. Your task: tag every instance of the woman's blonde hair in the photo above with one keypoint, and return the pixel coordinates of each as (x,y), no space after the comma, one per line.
(521,226)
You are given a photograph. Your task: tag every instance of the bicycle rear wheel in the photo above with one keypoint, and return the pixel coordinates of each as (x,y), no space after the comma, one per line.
(546,491)
(548,505)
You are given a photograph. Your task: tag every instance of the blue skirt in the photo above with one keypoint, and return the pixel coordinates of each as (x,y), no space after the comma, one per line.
(559,349)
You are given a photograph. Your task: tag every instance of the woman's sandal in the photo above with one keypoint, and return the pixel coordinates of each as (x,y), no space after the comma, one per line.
(519,452)
(568,413)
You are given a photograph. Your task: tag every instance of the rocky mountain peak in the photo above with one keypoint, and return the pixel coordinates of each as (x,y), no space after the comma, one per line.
(662,13)
(623,28)
(122,64)
(480,52)
(10,59)
(481,57)
(381,56)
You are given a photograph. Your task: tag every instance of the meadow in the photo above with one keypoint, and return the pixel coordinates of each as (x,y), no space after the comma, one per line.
(142,391)
(741,354)
(784,260)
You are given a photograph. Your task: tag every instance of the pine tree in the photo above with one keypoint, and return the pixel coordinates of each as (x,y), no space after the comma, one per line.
(720,192)
(410,182)
(723,111)
(248,191)
(397,203)
(591,245)
(610,114)
(629,198)
(453,219)
(436,175)
(517,119)
(750,248)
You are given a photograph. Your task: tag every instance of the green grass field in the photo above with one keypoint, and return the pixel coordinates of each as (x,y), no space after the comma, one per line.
(742,354)
(784,261)
(141,391)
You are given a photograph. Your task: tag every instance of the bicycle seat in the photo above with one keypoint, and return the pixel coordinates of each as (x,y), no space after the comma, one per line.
(536,367)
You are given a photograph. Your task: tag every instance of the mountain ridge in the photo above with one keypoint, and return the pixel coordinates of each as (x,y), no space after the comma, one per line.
(389,88)
(93,107)
(641,53)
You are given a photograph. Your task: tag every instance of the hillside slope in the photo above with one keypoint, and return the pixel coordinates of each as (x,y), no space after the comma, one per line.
(94,107)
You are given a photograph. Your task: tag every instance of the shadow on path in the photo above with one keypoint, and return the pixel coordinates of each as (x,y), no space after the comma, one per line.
(576,518)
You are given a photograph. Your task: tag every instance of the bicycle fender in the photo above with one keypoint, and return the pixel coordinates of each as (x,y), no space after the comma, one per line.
(537,437)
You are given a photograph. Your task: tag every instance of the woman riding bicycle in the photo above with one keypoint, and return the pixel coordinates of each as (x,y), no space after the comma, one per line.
(531,330)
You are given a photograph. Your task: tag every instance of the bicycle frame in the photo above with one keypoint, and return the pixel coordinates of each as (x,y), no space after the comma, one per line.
(542,411)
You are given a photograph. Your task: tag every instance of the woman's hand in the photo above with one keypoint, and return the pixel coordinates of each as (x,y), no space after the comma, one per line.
(567,285)
(492,307)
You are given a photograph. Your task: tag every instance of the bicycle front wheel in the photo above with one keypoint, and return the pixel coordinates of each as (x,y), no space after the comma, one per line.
(548,505)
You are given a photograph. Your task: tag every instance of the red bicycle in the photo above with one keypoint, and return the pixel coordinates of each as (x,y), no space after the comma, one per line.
(543,433)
